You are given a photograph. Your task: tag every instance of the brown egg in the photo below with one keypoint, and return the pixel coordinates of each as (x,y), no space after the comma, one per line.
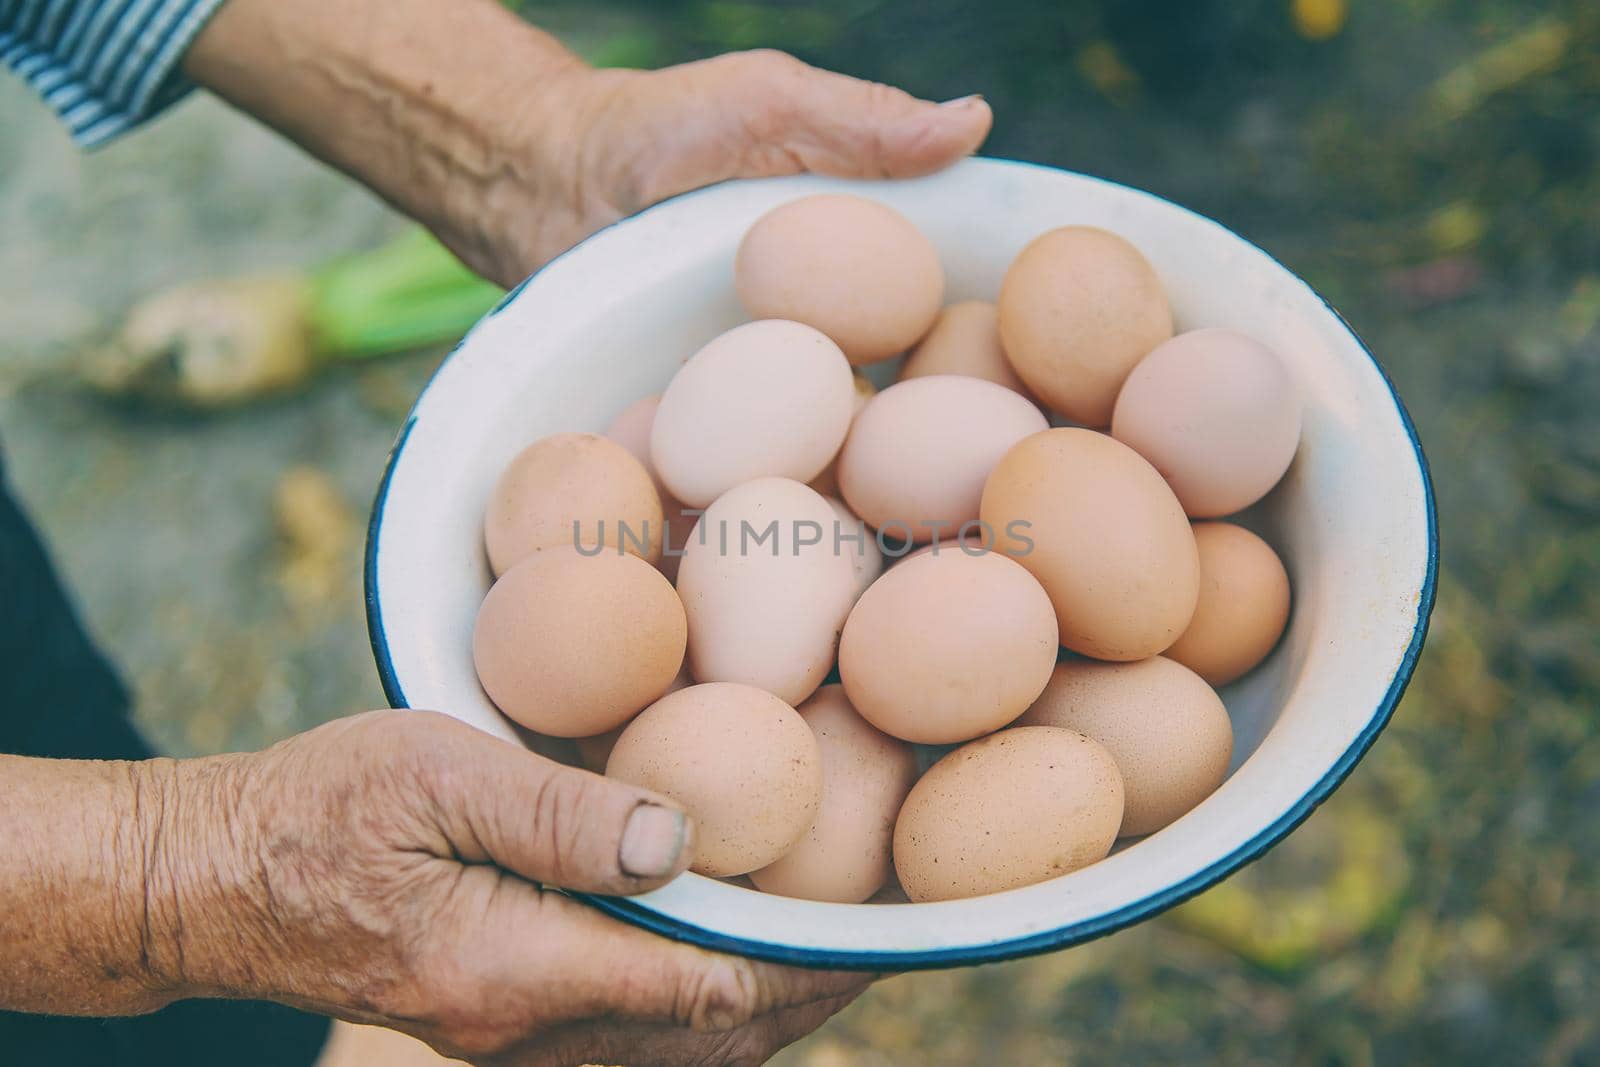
(845,856)
(1100,530)
(1014,808)
(592,752)
(1243,608)
(965,339)
(947,647)
(1165,727)
(741,762)
(764,589)
(919,452)
(571,645)
(855,269)
(766,399)
(572,489)
(1078,308)
(1218,416)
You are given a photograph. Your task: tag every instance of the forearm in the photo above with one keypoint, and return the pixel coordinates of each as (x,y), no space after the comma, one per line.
(419,99)
(109,872)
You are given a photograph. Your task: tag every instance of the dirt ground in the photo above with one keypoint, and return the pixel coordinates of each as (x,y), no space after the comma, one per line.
(1434,169)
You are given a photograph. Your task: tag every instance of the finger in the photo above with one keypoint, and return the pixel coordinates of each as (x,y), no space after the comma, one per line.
(611,969)
(838,125)
(554,824)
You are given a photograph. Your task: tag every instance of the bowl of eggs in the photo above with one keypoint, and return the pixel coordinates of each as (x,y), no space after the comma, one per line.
(986,561)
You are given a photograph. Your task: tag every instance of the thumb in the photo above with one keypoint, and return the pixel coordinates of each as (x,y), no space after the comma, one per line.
(804,118)
(558,825)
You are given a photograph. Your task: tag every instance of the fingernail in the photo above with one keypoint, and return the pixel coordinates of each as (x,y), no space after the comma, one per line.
(652,841)
(962,101)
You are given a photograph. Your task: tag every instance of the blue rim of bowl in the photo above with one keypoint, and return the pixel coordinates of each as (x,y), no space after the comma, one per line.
(1049,940)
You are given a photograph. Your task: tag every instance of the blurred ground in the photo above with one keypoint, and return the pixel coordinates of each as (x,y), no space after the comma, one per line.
(1433,168)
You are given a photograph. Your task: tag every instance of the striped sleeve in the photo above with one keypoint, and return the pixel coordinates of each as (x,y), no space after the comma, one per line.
(104,65)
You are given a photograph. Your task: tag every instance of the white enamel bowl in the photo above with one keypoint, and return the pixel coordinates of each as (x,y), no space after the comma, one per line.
(612,319)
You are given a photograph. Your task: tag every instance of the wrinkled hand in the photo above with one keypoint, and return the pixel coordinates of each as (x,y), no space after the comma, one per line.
(606,143)
(390,868)
(511,149)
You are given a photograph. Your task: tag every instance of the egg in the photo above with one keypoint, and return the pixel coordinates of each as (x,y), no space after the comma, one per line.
(765,590)
(845,856)
(1009,810)
(856,269)
(572,489)
(918,454)
(743,764)
(947,647)
(592,752)
(1243,607)
(1078,307)
(857,541)
(965,339)
(1101,531)
(1218,416)
(766,399)
(1165,727)
(631,429)
(571,645)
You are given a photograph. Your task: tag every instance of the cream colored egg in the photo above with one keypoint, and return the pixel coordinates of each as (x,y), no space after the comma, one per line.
(1165,727)
(947,647)
(845,856)
(1243,607)
(1217,414)
(766,399)
(965,339)
(918,454)
(571,645)
(856,269)
(743,764)
(1078,308)
(1100,530)
(765,590)
(1009,810)
(572,489)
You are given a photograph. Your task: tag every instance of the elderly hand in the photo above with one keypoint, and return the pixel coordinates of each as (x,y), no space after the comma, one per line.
(391,868)
(629,139)
(512,150)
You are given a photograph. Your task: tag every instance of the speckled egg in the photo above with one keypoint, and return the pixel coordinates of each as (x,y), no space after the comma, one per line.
(946,647)
(1101,531)
(741,762)
(571,645)
(1008,810)
(845,856)
(1080,306)
(857,270)
(572,489)
(1165,727)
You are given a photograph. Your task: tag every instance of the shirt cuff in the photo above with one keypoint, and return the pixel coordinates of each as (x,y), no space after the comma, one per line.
(106,66)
